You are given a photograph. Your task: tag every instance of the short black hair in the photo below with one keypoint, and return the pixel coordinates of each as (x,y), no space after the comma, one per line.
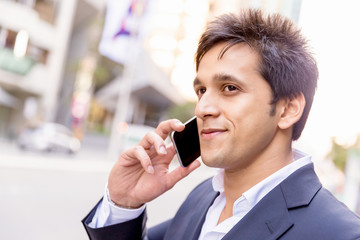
(286,61)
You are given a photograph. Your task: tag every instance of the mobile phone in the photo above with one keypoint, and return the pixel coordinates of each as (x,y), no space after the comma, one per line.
(187,143)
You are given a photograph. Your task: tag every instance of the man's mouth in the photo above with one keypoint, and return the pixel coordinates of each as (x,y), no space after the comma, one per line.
(210,133)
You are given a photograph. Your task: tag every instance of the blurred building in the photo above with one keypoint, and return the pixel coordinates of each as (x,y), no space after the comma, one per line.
(50,70)
(142,88)
(36,37)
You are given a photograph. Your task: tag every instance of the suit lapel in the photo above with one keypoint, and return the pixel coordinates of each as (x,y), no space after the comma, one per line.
(270,218)
(300,187)
(189,219)
(196,223)
(267,220)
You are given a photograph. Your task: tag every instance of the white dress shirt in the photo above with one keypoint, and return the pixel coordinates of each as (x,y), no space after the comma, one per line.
(107,213)
(213,231)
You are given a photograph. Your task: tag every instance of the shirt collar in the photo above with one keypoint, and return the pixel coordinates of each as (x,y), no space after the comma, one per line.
(218,181)
(257,192)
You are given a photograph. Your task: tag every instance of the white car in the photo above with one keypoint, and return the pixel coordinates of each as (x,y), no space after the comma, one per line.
(48,137)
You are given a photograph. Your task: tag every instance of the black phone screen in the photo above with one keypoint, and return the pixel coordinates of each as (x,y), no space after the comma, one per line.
(187,143)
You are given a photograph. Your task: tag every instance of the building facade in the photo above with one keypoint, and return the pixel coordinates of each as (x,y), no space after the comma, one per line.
(34,51)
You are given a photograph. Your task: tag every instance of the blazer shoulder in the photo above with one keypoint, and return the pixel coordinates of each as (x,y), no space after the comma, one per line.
(328,217)
(335,212)
(314,208)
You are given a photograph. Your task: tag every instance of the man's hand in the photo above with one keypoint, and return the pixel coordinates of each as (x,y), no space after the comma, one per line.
(141,173)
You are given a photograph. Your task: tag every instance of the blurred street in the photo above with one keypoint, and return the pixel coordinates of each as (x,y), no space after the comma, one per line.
(46,195)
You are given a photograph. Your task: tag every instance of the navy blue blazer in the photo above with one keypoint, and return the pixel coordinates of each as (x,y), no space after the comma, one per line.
(299,208)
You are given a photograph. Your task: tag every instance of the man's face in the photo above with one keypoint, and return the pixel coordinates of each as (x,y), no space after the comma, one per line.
(235,123)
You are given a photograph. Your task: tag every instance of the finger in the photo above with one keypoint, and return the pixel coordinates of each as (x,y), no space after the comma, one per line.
(180,172)
(140,154)
(170,153)
(168,126)
(152,140)
(161,163)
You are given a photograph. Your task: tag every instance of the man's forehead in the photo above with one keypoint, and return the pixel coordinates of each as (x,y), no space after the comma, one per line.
(220,50)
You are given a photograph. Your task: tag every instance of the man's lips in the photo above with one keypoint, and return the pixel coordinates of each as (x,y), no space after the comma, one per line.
(211,132)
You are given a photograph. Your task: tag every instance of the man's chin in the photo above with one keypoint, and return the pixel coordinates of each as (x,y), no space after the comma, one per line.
(210,161)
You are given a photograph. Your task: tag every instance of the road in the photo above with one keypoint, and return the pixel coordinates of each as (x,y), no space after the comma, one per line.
(45,196)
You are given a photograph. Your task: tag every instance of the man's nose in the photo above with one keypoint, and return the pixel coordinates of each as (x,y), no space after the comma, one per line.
(208,105)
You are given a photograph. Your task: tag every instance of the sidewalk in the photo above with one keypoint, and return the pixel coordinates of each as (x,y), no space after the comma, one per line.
(91,157)
(75,183)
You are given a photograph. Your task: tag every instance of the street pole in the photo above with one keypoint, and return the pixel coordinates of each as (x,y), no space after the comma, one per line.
(121,110)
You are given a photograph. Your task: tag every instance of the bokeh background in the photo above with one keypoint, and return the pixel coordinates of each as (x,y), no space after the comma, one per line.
(99,74)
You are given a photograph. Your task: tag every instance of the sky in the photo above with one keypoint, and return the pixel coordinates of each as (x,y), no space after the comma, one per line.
(332,29)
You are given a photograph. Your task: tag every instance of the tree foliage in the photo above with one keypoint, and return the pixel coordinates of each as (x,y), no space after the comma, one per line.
(339,153)
(183,112)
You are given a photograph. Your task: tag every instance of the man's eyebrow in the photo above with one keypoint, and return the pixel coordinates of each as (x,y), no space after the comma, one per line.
(196,81)
(220,77)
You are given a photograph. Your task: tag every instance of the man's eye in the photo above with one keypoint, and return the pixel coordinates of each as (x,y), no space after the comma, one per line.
(200,91)
(229,88)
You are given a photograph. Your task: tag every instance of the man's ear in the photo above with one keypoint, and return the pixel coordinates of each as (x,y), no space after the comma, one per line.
(292,110)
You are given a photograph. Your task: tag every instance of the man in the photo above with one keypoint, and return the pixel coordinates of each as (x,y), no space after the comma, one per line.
(255,85)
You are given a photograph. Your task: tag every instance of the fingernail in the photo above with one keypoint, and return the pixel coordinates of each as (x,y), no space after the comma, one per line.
(178,123)
(162,150)
(150,169)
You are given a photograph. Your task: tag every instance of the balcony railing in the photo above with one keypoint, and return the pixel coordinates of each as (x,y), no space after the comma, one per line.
(10,63)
